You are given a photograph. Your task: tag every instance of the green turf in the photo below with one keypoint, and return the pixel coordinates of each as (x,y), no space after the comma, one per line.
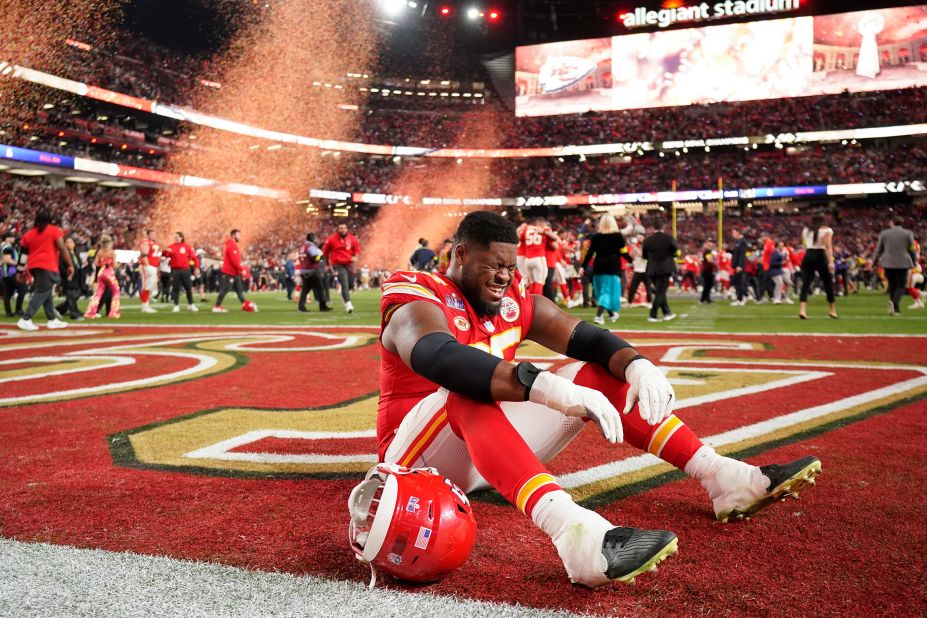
(859,314)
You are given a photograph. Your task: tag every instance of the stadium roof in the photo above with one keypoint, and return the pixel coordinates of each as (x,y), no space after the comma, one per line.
(198,25)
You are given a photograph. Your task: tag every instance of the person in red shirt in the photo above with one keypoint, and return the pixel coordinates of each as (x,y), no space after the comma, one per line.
(44,243)
(341,249)
(182,258)
(766,283)
(453,397)
(231,272)
(149,263)
(551,258)
(535,238)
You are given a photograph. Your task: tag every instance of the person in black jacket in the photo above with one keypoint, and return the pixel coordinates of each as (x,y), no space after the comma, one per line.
(71,286)
(707,270)
(607,247)
(660,251)
(739,264)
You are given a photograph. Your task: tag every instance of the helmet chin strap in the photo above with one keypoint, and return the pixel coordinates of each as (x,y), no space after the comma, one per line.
(373,576)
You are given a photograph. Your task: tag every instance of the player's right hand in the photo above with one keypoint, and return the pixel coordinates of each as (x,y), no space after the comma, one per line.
(573,400)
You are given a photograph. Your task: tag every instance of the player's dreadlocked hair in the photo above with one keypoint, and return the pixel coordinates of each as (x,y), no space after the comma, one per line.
(483,227)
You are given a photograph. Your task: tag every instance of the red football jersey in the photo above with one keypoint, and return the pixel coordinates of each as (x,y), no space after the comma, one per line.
(724,261)
(551,250)
(152,251)
(534,240)
(400,387)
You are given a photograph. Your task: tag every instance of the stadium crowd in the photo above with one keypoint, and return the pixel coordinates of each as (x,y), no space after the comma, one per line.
(48,120)
(270,266)
(749,118)
(143,69)
(820,165)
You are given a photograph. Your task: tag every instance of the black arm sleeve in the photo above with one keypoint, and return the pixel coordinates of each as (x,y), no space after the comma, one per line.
(457,367)
(594,345)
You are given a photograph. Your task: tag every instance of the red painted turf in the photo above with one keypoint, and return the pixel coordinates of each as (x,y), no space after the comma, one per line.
(852,544)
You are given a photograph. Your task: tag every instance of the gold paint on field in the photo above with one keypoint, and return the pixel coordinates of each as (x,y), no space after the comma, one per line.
(40,368)
(166,445)
(530,349)
(719,381)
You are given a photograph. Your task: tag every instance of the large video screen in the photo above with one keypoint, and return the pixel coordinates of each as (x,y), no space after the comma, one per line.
(880,49)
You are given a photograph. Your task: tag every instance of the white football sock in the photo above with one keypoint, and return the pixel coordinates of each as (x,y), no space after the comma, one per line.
(723,476)
(577,534)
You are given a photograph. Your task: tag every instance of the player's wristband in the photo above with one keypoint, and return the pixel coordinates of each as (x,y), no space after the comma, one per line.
(526,373)
(595,345)
(633,358)
(459,368)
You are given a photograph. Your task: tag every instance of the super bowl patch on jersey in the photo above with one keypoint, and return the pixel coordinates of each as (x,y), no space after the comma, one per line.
(509,309)
(454,302)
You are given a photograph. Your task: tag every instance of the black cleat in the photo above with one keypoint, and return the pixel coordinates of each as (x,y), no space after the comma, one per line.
(784,480)
(630,551)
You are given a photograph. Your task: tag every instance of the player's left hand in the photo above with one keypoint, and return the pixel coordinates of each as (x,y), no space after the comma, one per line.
(650,389)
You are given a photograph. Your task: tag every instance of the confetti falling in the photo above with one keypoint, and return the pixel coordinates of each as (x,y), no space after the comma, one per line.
(33,34)
(266,74)
(399,226)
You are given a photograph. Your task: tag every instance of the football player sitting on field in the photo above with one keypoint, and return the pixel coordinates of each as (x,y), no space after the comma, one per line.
(453,399)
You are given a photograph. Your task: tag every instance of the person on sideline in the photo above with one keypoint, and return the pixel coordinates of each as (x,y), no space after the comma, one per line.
(232,271)
(341,249)
(44,243)
(149,269)
(895,252)
(660,251)
(819,258)
(607,248)
(105,263)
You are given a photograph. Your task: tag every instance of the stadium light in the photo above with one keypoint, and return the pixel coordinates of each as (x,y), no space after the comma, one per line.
(393,7)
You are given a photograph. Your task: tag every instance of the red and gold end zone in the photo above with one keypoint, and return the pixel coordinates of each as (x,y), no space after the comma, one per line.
(240,445)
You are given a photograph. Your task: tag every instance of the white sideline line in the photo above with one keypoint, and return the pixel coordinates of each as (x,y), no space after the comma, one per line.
(634,464)
(41,580)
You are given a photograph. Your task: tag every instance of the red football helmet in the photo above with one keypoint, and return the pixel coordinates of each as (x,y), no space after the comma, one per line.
(249,306)
(410,522)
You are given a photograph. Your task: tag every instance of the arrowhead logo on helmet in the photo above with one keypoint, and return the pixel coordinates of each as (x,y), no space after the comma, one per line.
(424,543)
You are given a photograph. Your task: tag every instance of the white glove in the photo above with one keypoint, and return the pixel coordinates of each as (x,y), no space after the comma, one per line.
(562,395)
(649,386)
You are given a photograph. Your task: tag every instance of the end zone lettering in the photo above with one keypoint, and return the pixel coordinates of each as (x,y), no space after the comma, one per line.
(641,17)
